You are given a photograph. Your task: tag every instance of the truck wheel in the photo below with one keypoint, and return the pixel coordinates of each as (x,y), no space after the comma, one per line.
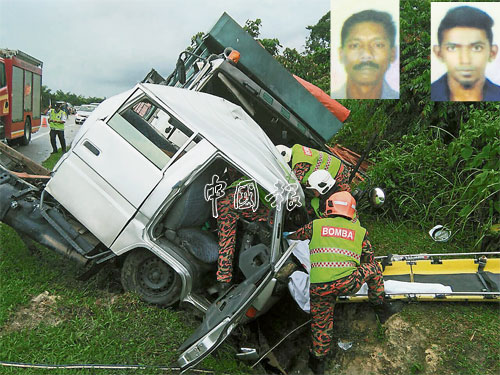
(25,140)
(151,278)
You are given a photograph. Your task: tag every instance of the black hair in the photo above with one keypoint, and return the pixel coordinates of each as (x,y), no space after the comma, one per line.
(466,16)
(370,15)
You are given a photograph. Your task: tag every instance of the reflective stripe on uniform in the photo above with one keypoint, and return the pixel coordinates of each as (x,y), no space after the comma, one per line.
(328,162)
(335,250)
(318,163)
(343,203)
(333,264)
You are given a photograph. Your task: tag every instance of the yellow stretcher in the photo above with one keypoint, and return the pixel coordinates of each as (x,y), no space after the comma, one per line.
(471,277)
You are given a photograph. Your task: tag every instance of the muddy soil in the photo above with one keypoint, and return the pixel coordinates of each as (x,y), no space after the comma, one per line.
(42,309)
(392,349)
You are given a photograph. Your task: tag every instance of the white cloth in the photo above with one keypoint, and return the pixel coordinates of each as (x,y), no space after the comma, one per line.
(298,281)
(301,251)
(298,285)
(403,287)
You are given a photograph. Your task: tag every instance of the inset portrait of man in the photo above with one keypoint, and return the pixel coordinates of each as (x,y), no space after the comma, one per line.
(364,57)
(464,65)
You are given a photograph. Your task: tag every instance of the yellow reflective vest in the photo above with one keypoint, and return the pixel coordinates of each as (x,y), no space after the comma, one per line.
(317,159)
(56,116)
(335,248)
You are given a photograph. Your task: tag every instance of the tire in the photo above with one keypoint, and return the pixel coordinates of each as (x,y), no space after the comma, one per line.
(151,278)
(25,140)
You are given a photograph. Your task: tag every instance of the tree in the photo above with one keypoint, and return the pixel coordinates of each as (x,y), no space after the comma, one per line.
(271,45)
(49,97)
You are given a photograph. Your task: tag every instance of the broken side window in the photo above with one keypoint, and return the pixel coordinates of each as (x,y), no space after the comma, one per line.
(153,132)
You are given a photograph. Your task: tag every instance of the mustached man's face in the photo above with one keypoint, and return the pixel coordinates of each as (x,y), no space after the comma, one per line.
(466,51)
(367,53)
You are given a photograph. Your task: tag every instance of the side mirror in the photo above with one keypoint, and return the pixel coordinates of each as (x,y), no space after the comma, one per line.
(377,197)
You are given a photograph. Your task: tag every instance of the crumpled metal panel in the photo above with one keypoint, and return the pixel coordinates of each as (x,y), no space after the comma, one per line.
(274,77)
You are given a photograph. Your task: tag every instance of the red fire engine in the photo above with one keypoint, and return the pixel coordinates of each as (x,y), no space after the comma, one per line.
(20,95)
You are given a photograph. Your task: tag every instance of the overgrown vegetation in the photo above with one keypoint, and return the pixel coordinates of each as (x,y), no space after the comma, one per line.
(473,348)
(439,161)
(455,183)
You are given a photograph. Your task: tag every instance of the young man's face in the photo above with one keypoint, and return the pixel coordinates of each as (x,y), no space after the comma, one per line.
(367,53)
(465,51)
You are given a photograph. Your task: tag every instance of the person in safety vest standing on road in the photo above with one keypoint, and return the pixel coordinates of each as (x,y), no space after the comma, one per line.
(341,261)
(57,118)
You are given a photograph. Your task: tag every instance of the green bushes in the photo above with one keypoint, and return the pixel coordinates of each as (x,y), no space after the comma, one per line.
(458,184)
(412,171)
(475,155)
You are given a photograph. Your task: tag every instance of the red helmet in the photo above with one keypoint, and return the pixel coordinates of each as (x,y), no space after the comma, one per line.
(341,203)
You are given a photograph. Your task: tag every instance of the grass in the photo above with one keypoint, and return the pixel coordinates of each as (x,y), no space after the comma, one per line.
(94,325)
(467,335)
(51,161)
(92,322)
(389,237)
(97,325)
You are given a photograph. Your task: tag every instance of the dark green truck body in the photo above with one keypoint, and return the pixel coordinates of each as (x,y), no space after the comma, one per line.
(286,111)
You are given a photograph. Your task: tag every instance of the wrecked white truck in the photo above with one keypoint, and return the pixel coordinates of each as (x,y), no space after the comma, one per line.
(133,187)
(138,188)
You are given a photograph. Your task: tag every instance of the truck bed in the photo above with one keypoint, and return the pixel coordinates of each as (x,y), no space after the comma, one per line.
(274,78)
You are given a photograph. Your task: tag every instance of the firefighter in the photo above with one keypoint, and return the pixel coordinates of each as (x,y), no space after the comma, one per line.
(227,222)
(322,184)
(305,160)
(57,118)
(341,261)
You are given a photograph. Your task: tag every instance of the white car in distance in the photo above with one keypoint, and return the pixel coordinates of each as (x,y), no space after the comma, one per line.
(83,113)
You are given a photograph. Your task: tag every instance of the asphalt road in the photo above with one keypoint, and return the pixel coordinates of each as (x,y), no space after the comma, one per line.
(39,148)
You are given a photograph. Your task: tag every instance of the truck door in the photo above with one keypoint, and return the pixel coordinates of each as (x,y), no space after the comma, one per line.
(222,317)
(114,166)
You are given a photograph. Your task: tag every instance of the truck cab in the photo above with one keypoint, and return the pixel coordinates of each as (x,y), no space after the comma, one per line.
(137,178)
(140,184)
(229,63)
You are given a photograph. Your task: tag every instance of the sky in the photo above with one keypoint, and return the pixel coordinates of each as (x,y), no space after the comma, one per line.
(100,48)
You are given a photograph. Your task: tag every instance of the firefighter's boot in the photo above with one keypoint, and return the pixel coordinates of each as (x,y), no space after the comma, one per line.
(385,310)
(316,364)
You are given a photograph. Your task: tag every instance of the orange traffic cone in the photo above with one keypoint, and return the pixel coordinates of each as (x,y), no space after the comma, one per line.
(45,122)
